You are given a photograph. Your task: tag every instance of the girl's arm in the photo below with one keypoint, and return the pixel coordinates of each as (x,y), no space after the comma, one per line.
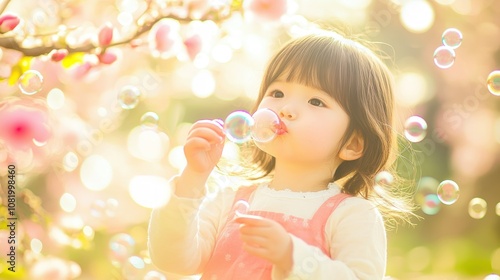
(357,241)
(182,234)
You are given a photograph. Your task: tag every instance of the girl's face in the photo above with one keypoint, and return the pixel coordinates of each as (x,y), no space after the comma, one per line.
(315,124)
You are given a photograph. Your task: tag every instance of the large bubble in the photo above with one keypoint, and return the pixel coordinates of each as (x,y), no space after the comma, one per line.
(238,126)
(266,125)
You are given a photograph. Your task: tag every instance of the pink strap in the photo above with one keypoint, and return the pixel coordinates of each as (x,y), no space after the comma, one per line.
(327,208)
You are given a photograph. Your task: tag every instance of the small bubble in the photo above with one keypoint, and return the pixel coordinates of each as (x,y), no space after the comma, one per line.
(431,205)
(238,126)
(384,178)
(121,247)
(415,129)
(266,125)
(444,57)
(98,208)
(111,206)
(452,38)
(128,97)
(477,208)
(150,119)
(425,186)
(493,82)
(241,208)
(448,192)
(133,267)
(30,82)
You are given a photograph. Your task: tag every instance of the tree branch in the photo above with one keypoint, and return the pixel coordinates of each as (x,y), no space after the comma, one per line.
(12,43)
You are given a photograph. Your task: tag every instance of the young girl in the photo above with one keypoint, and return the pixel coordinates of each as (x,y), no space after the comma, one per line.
(317,216)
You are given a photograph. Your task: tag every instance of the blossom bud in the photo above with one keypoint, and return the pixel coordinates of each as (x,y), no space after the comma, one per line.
(106,34)
(8,22)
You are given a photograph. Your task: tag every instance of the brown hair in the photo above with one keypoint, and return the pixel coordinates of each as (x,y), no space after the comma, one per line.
(362,85)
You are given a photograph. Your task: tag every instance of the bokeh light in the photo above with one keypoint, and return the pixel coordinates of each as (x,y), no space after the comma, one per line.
(149,191)
(96,173)
(417,15)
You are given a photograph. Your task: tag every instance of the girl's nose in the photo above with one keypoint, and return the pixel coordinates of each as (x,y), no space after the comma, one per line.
(287,113)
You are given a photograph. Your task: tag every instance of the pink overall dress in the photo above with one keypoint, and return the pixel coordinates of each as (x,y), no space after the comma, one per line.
(230,262)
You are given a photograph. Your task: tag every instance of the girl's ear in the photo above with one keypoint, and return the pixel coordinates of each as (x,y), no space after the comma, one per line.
(353,148)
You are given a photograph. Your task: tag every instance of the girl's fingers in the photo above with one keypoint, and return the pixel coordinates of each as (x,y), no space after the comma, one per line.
(207,134)
(251,220)
(256,251)
(214,125)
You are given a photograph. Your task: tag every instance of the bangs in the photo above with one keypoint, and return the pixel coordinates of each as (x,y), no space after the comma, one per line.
(312,62)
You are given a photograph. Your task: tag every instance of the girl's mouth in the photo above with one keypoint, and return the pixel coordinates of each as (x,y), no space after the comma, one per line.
(280,128)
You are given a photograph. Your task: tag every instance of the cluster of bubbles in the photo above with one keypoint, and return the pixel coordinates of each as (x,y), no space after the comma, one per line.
(444,55)
(262,126)
(121,252)
(415,129)
(30,82)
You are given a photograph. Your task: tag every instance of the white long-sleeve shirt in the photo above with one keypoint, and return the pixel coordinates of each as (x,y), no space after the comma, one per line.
(183,233)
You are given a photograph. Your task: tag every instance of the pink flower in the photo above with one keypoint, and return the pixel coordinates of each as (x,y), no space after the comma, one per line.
(24,123)
(107,57)
(162,38)
(8,22)
(58,55)
(106,34)
(267,9)
(193,45)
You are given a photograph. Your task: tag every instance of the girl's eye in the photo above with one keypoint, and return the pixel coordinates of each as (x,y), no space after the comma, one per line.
(316,102)
(277,94)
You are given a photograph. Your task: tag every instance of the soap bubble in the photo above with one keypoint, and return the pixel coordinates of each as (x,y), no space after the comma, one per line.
(266,125)
(238,126)
(444,57)
(121,247)
(415,129)
(448,192)
(384,178)
(241,208)
(431,205)
(30,82)
(150,119)
(128,97)
(477,208)
(452,38)
(133,267)
(493,82)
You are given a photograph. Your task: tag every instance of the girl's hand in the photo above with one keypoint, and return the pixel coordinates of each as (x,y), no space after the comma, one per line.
(204,145)
(267,239)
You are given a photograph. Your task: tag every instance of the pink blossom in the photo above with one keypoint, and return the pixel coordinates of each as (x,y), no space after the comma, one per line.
(8,22)
(267,9)
(193,45)
(106,34)
(23,121)
(162,38)
(107,57)
(58,55)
